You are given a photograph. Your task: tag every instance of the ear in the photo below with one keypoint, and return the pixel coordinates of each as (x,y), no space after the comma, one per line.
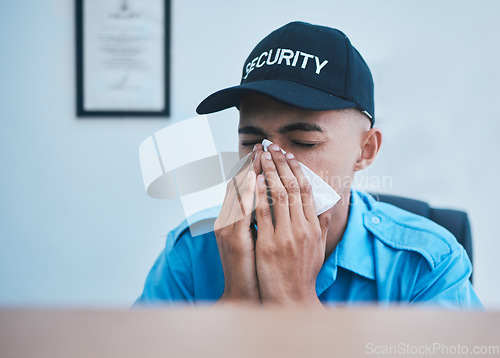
(370,145)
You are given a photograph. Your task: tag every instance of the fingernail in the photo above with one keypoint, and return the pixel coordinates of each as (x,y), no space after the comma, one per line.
(266,155)
(274,147)
(260,178)
(289,155)
(255,147)
(255,156)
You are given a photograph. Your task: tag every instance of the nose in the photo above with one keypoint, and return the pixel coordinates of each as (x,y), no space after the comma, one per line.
(281,144)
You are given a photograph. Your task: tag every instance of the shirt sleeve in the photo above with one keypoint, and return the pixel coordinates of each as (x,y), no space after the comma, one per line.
(447,284)
(170,279)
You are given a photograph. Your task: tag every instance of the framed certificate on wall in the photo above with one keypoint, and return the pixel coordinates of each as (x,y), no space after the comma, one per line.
(122,57)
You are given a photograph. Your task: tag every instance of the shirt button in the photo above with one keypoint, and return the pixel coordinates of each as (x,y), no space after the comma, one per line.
(375,220)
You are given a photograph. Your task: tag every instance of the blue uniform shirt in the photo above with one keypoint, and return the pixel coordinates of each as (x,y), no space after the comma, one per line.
(387,255)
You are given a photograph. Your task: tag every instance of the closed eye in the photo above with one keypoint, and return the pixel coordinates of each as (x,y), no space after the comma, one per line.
(303,144)
(250,143)
(295,143)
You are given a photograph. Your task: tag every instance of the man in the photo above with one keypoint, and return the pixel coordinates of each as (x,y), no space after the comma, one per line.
(308,90)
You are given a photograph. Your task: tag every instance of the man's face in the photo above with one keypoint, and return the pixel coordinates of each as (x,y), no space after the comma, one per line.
(328,142)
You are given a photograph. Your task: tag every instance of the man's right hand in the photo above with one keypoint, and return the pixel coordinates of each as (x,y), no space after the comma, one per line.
(234,234)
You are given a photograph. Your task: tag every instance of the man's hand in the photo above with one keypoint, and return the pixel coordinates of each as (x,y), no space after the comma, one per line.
(289,251)
(234,235)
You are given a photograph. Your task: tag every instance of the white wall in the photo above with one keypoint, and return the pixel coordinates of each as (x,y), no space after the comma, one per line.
(76,227)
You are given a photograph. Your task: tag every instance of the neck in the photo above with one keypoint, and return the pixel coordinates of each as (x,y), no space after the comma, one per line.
(340,216)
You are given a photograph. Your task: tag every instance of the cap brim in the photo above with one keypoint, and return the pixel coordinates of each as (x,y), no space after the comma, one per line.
(288,92)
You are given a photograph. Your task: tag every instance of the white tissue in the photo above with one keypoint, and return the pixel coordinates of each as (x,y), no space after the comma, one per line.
(324,197)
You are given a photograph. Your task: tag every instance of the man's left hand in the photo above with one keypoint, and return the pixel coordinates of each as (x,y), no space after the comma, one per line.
(291,241)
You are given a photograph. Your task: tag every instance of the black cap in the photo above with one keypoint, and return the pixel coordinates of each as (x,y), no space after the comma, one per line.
(307,66)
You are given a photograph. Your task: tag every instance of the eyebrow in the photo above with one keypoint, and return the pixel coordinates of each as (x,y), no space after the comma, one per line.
(296,126)
(300,126)
(251,130)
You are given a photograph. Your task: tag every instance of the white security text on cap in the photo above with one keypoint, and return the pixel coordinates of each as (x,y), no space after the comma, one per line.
(291,59)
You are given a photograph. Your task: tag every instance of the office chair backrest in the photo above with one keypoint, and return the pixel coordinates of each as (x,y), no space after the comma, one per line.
(456,222)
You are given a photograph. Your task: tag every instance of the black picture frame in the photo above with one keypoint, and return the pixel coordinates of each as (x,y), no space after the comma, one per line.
(80,70)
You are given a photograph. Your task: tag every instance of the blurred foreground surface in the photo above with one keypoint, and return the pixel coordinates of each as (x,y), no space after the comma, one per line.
(248,332)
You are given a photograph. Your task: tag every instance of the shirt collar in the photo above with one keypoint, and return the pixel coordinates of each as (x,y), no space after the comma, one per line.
(355,251)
